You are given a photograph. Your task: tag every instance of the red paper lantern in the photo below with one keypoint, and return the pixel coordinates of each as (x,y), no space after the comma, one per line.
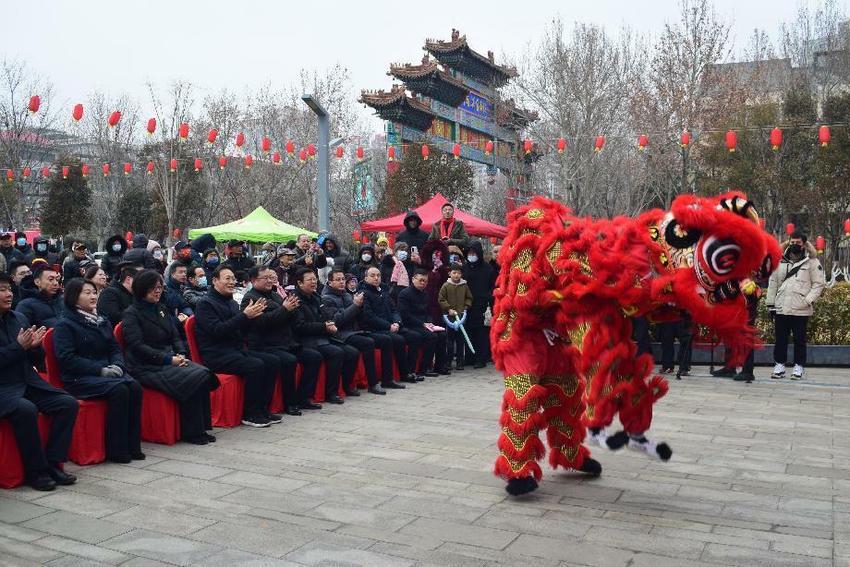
(114,118)
(488,147)
(276,158)
(128,236)
(222,162)
(128,168)
(355,235)
(340,151)
(365,238)
(149,168)
(302,156)
(685,139)
(789,228)
(183,131)
(820,244)
(105,169)
(176,233)
(527,146)
(493,240)
(847,227)
(561,145)
(290,147)
(213,134)
(240,139)
(10,175)
(84,170)
(824,136)
(172,165)
(311,150)
(249,161)
(391,153)
(77,113)
(26,172)
(456,150)
(65,171)
(731,140)
(360,152)
(425,151)
(267,145)
(35,103)
(599,144)
(151,126)
(643,141)
(198,164)
(45,172)
(775,139)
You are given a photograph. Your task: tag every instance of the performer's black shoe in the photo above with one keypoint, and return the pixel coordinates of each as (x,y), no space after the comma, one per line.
(591,467)
(741,377)
(60,477)
(723,372)
(617,441)
(520,486)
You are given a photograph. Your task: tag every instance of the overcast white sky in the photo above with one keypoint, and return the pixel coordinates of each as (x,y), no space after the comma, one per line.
(117,46)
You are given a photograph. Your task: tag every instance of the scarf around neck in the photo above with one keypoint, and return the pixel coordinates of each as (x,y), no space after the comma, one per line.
(92,319)
(400,276)
(446,227)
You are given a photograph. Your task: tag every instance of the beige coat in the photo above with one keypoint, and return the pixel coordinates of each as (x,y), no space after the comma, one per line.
(797,294)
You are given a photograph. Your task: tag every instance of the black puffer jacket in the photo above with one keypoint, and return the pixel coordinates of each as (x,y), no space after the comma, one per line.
(339,307)
(378,310)
(37,308)
(310,321)
(200,245)
(113,301)
(413,308)
(412,234)
(220,326)
(479,277)
(341,258)
(359,267)
(41,249)
(139,254)
(272,329)
(113,259)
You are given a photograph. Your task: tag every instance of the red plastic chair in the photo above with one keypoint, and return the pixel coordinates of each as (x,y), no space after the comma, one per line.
(160,413)
(227,401)
(11,467)
(88,442)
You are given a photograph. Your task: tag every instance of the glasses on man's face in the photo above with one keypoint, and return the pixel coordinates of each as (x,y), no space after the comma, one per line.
(228,279)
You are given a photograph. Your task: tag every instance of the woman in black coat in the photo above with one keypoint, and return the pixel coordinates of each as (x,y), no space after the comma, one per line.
(92,367)
(158,358)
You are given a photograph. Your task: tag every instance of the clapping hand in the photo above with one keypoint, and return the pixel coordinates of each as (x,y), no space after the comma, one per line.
(111,371)
(255,308)
(358,299)
(291,302)
(31,337)
(179,360)
(394,328)
(330,327)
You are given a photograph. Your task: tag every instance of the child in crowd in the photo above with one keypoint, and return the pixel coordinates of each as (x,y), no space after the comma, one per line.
(455,298)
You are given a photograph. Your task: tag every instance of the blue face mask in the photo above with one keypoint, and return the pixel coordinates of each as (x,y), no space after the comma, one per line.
(453,258)
(201,281)
(213,261)
(22,242)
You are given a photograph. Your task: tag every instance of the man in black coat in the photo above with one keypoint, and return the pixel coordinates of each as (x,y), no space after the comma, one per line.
(20,272)
(481,280)
(118,296)
(23,394)
(71,265)
(380,317)
(314,330)
(310,254)
(41,249)
(344,310)
(412,234)
(413,308)
(237,260)
(9,252)
(115,247)
(271,333)
(42,305)
(341,258)
(220,332)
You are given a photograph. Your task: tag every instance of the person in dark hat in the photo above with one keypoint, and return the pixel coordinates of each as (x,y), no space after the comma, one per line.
(412,234)
(71,265)
(41,249)
(284,266)
(21,244)
(115,247)
(449,229)
(237,260)
(9,252)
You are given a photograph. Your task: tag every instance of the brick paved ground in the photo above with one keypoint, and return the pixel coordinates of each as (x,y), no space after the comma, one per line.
(760,476)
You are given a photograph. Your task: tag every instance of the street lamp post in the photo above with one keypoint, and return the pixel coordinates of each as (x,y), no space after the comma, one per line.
(323,197)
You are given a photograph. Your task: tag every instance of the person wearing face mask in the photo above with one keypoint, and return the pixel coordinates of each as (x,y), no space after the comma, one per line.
(196,286)
(479,275)
(412,234)
(115,247)
(21,244)
(158,256)
(396,269)
(209,262)
(41,249)
(791,293)
(9,252)
(200,245)
(365,260)
(435,260)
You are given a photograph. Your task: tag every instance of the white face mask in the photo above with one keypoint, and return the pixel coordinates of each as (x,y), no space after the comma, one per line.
(158,254)
(116,247)
(366,257)
(472,258)
(402,255)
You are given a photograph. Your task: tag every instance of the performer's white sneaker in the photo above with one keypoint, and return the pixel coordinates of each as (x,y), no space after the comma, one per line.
(797,374)
(656,450)
(778,371)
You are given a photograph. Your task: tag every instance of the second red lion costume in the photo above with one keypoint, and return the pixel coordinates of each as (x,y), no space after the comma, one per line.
(566,295)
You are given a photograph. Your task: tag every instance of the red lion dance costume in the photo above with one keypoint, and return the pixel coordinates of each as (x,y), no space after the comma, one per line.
(562,329)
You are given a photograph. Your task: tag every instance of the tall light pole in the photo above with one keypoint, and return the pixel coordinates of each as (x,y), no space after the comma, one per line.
(323,197)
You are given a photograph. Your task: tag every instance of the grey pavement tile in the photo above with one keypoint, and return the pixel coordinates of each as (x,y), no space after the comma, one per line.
(369,517)
(185,468)
(279,501)
(160,520)
(15,511)
(85,550)
(86,504)
(73,561)
(161,547)
(231,557)
(27,551)
(275,540)
(461,533)
(77,527)
(121,473)
(262,481)
(748,557)
(189,488)
(584,553)
(325,555)
(20,533)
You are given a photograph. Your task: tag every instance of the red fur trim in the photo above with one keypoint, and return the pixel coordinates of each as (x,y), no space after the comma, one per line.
(503,469)
(558,459)
(529,401)
(530,426)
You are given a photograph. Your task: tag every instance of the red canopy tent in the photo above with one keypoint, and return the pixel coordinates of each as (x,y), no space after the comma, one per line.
(430,213)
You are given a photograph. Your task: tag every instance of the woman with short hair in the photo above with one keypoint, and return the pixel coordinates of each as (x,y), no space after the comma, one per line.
(92,367)
(159,358)
(97,276)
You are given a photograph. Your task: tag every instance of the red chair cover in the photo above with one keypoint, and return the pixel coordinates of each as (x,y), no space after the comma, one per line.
(276,405)
(11,467)
(88,444)
(160,413)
